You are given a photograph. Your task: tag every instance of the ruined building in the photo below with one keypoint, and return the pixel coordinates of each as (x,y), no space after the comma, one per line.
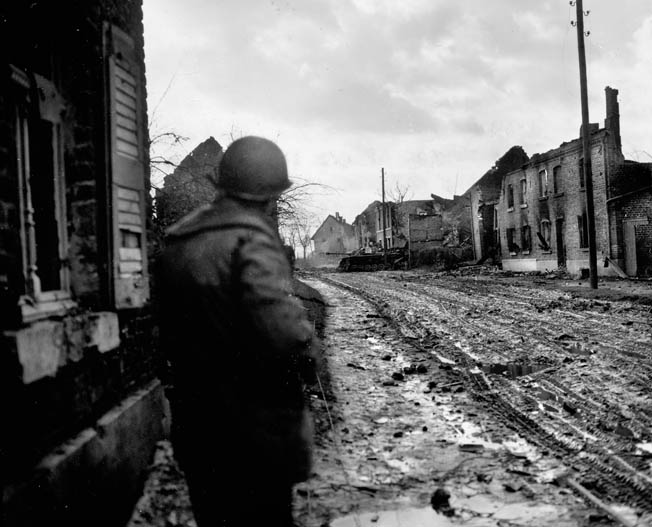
(365,226)
(191,184)
(541,213)
(419,219)
(484,196)
(81,409)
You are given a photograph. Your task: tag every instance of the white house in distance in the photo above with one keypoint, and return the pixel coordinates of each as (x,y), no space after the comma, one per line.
(333,240)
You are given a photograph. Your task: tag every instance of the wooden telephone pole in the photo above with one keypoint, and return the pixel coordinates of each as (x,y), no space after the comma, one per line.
(586,146)
(382,217)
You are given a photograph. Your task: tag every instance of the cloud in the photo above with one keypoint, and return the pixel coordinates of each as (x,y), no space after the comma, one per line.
(433,90)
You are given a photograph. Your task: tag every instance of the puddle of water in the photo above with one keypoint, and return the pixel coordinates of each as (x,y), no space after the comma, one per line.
(646,447)
(478,504)
(524,513)
(401,464)
(467,434)
(514,369)
(467,351)
(626,512)
(424,517)
(443,360)
(578,349)
(521,513)
(519,447)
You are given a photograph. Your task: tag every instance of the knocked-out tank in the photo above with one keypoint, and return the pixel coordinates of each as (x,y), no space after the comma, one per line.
(396,258)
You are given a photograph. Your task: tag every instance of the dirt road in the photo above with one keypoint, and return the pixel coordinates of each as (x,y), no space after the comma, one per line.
(544,391)
(481,400)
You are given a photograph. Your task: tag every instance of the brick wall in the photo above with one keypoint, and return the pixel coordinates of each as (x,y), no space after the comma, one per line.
(60,374)
(644,249)
(637,209)
(568,203)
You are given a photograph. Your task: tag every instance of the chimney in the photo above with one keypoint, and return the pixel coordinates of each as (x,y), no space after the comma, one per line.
(612,121)
(337,216)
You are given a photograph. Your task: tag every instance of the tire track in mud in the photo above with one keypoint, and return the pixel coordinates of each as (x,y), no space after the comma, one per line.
(404,438)
(547,341)
(605,459)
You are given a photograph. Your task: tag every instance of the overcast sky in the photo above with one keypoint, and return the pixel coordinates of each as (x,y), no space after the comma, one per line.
(434,91)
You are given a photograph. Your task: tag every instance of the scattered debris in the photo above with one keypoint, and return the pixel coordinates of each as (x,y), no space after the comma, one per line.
(440,502)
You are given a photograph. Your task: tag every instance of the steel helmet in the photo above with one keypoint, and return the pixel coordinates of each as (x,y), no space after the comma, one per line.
(253,168)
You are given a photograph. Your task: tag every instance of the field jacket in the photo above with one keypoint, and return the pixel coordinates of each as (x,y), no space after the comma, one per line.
(237,341)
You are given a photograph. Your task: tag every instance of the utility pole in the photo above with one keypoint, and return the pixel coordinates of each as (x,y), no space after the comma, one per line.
(410,242)
(586,147)
(382,217)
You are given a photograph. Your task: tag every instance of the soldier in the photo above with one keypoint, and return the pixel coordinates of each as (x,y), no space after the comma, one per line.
(239,347)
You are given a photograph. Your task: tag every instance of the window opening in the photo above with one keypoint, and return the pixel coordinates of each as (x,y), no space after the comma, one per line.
(526,238)
(511,242)
(556,180)
(543,183)
(544,235)
(582,227)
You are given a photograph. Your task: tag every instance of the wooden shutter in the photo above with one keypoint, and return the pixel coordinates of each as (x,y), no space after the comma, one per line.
(127,170)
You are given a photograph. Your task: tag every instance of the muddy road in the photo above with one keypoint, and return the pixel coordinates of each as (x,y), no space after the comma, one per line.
(483,400)
(528,402)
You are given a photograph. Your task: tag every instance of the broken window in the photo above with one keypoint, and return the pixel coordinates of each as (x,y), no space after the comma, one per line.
(41,188)
(523,192)
(526,238)
(543,183)
(556,180)
(511,242)
(544,235)
(581,172)
(510,196)
(583,230)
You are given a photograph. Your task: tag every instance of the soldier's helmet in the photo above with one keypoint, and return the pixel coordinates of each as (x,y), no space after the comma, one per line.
(254,169)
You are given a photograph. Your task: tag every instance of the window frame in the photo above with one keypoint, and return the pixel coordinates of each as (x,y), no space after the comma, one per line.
(557,187)
(522,189)
(510,233)
(510,196)
(543,183)
(545,225)
(35,303)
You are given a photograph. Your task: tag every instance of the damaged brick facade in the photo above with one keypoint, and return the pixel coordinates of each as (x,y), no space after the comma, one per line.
(365,226)
(484,196)
(76,333)
(541,212)
(419,219)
